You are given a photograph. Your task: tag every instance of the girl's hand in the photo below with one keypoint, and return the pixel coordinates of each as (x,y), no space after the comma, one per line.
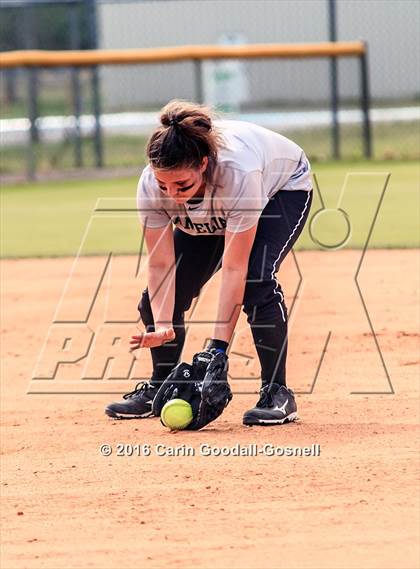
(152,339)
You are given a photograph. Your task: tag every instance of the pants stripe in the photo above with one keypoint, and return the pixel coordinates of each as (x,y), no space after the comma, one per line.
(280,254)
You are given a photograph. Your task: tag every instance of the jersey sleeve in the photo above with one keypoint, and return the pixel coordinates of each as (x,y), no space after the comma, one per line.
(149,207)
(244,209)
(300,179)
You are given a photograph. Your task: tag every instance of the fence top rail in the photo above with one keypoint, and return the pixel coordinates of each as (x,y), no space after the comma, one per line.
(41,58)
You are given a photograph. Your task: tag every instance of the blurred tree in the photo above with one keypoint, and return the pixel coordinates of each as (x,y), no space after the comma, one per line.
(50,23)
(9,41)
(40,26)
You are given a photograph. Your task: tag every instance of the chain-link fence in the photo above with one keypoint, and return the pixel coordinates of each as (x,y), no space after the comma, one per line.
(314,102)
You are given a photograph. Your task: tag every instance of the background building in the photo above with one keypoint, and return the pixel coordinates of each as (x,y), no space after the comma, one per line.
(389,27)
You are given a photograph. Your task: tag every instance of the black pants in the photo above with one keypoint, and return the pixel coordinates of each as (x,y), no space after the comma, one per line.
(199,257)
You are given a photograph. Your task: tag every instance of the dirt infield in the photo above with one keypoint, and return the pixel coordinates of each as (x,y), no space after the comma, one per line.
(353,506)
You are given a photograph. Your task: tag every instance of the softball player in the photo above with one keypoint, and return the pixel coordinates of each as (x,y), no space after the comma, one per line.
(226,195)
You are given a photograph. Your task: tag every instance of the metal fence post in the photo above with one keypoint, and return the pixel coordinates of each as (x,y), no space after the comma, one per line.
(198,79)
(29,41)
(96,99)
(32,115)
(75,81)
(97,114)
(335,133)
(365,104)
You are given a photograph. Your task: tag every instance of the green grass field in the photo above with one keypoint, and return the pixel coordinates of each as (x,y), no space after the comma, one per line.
(391,141)
(55,218)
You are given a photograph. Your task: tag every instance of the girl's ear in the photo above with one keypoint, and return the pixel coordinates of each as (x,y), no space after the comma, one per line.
(204,164)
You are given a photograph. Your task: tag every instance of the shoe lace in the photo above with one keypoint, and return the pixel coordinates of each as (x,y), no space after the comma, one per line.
(265,397)
(139,389)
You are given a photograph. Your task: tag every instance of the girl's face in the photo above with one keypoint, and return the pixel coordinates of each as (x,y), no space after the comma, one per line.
(181,184)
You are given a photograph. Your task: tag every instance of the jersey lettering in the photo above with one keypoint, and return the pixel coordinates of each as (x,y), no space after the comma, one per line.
(217,224)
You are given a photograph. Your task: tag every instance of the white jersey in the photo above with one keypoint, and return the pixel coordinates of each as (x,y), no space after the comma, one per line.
(252,166)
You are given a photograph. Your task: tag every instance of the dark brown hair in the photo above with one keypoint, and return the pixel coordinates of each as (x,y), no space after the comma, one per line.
(186,135)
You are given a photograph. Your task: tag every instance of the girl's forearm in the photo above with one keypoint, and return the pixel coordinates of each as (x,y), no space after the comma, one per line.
(161,286)
(231,296)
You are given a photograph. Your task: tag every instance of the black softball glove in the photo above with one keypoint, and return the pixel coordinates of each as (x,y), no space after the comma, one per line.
(203,384)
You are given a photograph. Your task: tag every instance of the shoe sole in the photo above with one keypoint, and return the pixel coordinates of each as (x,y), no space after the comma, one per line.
(291,418)
(115,415)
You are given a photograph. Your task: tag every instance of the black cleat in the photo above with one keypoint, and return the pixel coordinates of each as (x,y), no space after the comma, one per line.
(276,406)
(136,404)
